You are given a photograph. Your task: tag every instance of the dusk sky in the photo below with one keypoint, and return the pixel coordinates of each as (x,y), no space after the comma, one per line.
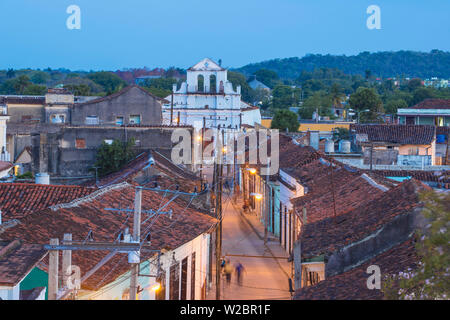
(136,33)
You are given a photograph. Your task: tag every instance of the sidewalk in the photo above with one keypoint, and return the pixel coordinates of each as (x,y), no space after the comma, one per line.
(267,269)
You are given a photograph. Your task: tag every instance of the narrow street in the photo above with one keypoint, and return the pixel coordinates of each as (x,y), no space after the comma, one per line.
(265,276)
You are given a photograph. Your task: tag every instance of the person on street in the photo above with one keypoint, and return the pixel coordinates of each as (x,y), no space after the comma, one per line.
(239,272)
(228,269)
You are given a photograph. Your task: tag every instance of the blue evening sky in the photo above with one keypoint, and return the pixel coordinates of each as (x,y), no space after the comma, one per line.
(162,33)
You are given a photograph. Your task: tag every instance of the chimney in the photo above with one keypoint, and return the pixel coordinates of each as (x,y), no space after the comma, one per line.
(42,178)
(314,139)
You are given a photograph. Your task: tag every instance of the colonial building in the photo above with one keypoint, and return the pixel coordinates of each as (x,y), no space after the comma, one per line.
(430,111)
(404,145)
(208,99)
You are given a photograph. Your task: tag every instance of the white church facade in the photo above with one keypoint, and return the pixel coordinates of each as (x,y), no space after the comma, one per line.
(208,99)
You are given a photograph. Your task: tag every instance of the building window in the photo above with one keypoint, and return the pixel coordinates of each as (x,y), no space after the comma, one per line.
(135,119)
(91,120)
(108,141)
(312,278)
(174,282)
(119,121)
(80,143)
(193,276)
(184,265)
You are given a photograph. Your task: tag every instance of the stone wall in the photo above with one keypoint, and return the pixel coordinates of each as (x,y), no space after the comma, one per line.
(59,155)
(131,101)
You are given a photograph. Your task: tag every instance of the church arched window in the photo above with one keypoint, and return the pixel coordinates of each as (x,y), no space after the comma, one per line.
(200,83)
(213,83)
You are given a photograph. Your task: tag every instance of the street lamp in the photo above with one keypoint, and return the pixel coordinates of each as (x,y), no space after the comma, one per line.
(156,287)
(252,170)
(258,196)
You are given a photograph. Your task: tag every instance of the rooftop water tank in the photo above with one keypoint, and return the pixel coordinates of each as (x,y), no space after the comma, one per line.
(344,146)
(440,138)
(42,178)
(329,146)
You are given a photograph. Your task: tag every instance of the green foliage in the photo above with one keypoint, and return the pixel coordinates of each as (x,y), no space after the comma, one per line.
(435,63)
(160,87)
(238,79)
(284,96)
(111,157)
(108,80)
(393,105)
(268,77)
(10,73)
(431,280)
(341,134)
(39,77)
(35,90)
(78,90)
(318,101)
(26,175)
(421,94)
(366,99)
(285,119)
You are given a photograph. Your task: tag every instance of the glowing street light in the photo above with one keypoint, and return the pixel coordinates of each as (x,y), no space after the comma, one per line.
(252,170)
(258,196)
(156,286)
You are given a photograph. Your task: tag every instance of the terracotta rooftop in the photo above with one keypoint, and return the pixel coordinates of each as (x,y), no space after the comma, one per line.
(4,165)
(401,134)
(17,259)
(433,104)
(89,214)
(352,285)
(20,199)
(22,100)
(119,93)
(440,176)
(351,189)
(136,166)
(331,234)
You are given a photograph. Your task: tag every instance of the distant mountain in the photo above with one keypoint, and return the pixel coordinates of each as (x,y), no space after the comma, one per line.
(436,63)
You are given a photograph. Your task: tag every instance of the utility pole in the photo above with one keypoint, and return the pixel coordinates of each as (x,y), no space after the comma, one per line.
(133,257)
(371,155)
(267,202)
(53,271)
(171,109)
(218,191)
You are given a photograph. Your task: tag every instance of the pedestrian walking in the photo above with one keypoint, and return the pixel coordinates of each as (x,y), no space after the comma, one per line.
(228,269)
(239,272)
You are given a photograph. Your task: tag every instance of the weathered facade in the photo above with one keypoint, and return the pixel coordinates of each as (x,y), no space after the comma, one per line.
(71,152)
(130,106)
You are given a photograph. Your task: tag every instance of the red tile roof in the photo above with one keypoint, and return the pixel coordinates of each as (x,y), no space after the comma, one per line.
(119,93)
(4,165)
(89,214)
(20,199)
(136,166)
(22,100)
(440,176)
(394,133)
(352,285)
(350,191)
(433,104)
(17,259)
(331,234)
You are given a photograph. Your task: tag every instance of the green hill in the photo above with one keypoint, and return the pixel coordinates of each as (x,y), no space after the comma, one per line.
(436,63)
